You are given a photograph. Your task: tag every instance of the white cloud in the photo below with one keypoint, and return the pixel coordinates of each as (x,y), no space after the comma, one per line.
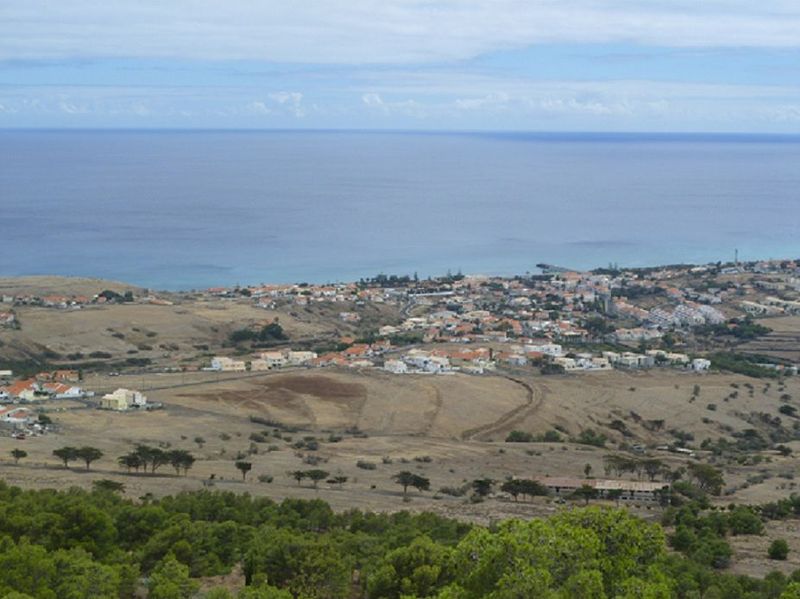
(377,31)
(291,101)
(406,107)
(372,100)
(71,108)
(259,108)
(787,113)
(497,100)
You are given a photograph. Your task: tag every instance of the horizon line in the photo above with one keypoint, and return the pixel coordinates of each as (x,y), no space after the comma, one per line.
(559,133)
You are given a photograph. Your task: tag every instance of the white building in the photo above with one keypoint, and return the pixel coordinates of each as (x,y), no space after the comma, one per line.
(297,358)
(274,359)
(395,366)
(258,364)
(701,364)
(225,364)
(123,399)
(548,349)
(16,416)
(426,362)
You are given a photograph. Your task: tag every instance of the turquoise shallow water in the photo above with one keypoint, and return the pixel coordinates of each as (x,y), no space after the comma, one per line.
(192,209)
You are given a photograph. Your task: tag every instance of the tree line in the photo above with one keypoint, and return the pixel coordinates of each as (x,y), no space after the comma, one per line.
(97,544)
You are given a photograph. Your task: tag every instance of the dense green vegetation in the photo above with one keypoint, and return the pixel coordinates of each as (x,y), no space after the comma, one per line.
(77,544)
(744,329)
(741,364)
(271,333)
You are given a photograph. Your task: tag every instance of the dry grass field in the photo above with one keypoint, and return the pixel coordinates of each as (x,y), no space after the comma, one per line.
(782,342)
(447,428)
(370,424)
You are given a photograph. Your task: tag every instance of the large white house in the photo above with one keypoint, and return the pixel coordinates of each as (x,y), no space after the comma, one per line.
(123,399)
(225,364)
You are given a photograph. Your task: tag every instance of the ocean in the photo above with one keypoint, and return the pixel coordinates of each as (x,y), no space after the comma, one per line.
(182,210)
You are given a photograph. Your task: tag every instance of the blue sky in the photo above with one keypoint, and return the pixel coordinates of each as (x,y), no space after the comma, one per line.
(543,65)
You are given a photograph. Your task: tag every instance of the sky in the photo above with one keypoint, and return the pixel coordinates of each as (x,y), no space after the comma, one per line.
(521,65)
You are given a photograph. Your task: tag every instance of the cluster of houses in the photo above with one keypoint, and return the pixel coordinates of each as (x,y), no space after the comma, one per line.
(771,306)
(268,360)
(57,384)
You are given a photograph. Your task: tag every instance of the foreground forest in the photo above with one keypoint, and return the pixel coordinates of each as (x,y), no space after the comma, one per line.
(76,544)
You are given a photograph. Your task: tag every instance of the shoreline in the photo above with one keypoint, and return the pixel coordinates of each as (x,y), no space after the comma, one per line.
(8,279)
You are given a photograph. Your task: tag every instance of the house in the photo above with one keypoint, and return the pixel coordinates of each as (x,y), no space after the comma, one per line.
(426,362)
(329,359)
(225,364)
(566,363)
(16,416)
(357,350)
(274,359)
(360,363)
(7,319)
(28,390)
(298,358)
(258,365)
(123,399)
(701,364)
(549,349)
(632,360)
(512,358)
(62,390)
(395,366)
(65,376)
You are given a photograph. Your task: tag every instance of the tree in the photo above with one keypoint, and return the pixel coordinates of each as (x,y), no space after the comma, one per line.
(88,455)
(66,455)
(170,580)
(180,459)
(420,483)
(778,550)
(587,470)
(200,441)
(154,456)
(653,467)
(482,486)
(316,476)
(338,480)
(404,479)
(108,485)
(18,454)
(131,461)
(585,492)
(298,475)
(415,570)
(614,494)
(409,479)
(244,468)
(512,487)
(708,478)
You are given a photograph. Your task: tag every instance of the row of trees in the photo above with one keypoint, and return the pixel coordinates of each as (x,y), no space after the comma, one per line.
(144,456)
(86,454)
(141,458)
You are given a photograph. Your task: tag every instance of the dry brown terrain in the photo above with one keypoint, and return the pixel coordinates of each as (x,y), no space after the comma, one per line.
(164,334)
(450,428)
(445,422)
(47,285)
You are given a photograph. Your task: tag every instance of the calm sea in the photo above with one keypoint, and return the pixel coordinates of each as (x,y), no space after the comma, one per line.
(180,210)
